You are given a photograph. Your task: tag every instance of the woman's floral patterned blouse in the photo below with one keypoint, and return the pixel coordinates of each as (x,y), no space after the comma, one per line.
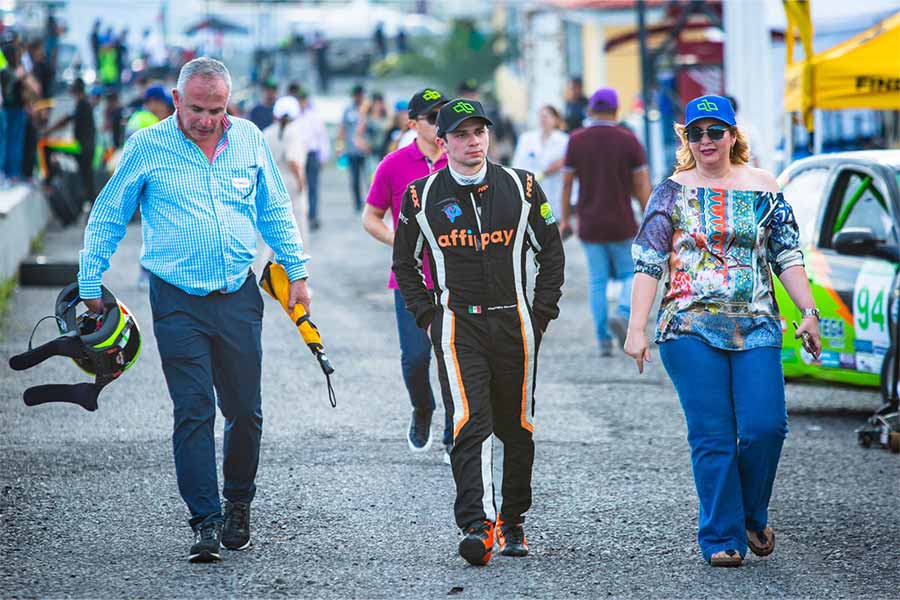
(720,247)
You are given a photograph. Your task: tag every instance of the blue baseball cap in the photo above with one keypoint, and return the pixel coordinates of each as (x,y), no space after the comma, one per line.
(709,107)
(157,92)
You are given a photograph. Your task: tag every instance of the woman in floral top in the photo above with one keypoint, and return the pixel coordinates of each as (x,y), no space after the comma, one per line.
(720,229)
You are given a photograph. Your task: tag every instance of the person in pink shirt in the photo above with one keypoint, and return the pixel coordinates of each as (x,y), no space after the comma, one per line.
(393,175)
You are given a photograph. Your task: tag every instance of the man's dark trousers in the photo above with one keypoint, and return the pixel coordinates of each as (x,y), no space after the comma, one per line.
(356,166)
(312,184)
(211,351)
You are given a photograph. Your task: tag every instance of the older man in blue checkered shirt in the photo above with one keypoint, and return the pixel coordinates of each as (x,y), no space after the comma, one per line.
(205,183)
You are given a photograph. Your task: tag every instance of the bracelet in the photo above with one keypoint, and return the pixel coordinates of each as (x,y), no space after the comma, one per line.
(811,312)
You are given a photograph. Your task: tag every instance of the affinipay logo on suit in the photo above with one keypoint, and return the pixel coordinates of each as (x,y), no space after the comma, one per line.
(465,237)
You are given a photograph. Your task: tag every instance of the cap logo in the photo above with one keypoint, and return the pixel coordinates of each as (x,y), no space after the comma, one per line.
(707,106)
(463,107)
(430,95)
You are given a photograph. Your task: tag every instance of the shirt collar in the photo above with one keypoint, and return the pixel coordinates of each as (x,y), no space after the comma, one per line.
(596,122)
(415,153)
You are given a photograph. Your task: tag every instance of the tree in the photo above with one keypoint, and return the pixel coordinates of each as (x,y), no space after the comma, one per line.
(466,53)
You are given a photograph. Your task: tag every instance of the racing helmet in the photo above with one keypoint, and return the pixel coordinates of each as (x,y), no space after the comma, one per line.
(103,345)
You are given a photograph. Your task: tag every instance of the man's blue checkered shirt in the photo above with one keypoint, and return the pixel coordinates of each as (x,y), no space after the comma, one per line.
(199,218)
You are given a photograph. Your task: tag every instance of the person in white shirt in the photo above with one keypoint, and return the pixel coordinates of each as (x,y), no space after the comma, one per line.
(318,148)
(542,151)
(285,140)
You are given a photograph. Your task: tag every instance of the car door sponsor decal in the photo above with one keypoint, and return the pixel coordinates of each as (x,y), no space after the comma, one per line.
(819,269)
(871,298)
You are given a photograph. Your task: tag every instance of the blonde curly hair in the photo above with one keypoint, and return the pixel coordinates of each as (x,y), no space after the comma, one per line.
(740,152)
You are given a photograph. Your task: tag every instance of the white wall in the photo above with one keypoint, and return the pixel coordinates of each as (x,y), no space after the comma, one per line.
(545,67)
(749,75)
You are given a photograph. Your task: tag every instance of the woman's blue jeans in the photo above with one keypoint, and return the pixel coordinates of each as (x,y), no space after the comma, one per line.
(733,403)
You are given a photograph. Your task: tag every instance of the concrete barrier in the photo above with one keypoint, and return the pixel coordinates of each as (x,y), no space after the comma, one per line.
(24,213)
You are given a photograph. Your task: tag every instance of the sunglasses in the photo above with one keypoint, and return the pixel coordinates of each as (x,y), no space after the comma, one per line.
(715,133)
(430,117)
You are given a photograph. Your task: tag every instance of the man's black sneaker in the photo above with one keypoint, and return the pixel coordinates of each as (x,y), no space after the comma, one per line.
(236,532)
(477,544)
(419,436)
(206,544)
(511,539)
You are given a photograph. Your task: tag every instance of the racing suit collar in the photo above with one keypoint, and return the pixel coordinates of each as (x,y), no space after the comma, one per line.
(469,180)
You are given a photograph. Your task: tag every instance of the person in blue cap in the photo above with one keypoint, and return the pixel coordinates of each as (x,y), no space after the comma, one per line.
(718,229)
(157,106)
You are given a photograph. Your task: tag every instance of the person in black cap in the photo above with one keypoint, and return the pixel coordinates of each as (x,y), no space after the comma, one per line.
(478,219)
(261,114)
(469,89)
(392,177)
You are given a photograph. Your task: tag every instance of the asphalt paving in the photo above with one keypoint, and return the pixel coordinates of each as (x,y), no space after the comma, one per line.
(89,505)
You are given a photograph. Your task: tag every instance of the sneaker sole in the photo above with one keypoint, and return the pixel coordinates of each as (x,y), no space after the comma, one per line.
(235,548)
(205,557)
(473,552)
(514,552)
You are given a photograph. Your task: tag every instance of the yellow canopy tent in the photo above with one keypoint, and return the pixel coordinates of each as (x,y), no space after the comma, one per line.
(863,72)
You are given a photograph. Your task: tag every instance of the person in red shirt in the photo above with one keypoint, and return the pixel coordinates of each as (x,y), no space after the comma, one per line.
(611,167)
(392,178)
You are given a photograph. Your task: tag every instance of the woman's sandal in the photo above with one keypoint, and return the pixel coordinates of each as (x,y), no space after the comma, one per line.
(726,558)
(761,543)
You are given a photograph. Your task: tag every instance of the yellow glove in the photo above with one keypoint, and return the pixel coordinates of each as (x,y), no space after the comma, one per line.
(275,282)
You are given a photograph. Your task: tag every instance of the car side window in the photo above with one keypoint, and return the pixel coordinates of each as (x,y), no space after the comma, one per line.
(804,192)
(863,205)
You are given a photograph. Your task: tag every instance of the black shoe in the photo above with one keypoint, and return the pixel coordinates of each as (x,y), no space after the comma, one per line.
(606,349)
(448,451)
(206,546)
(477,544)
(511,539)
(419,436)
(314,224)
(236,532)
(619,328)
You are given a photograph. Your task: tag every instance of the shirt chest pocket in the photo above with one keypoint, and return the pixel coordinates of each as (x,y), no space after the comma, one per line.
(240,185)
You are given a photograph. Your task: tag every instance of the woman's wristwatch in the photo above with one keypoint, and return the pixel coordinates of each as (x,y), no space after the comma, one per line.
(811,312)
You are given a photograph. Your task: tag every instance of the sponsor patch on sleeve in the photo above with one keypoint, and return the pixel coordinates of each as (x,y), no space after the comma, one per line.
(547,214)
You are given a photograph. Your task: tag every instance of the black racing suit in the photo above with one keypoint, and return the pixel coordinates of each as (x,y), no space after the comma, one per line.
(484,331)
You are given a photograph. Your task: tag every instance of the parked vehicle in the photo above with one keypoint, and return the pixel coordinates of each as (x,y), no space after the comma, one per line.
(848,208)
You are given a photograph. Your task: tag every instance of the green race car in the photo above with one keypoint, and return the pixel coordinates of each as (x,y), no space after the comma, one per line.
(848,209)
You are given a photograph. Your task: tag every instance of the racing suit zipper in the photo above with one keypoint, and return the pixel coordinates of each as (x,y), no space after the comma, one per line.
(478,223)
(487,270)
